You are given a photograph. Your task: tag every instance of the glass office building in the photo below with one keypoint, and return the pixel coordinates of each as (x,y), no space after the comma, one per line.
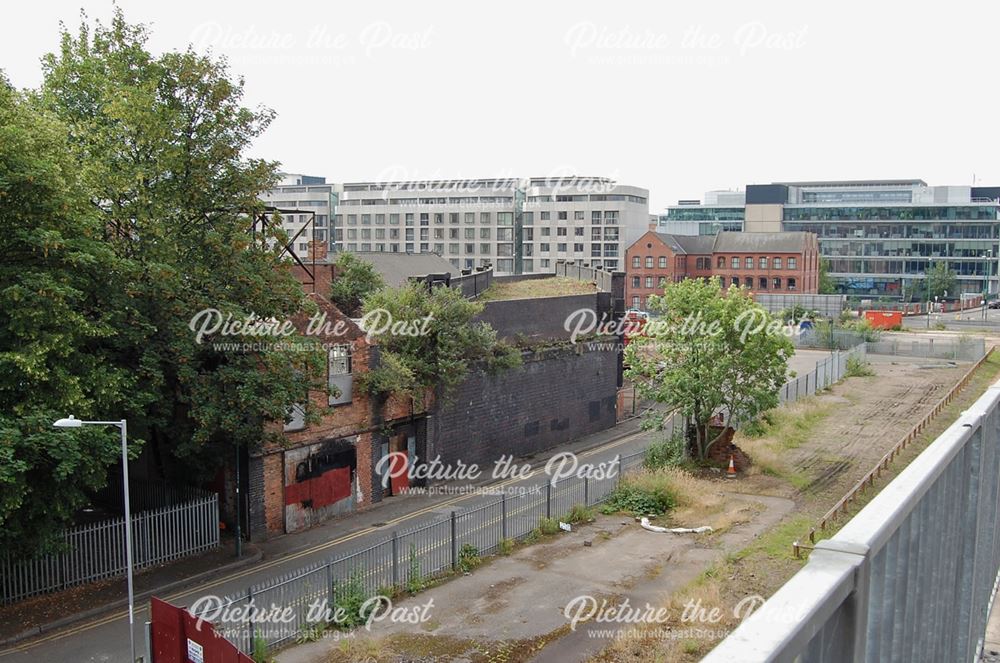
(880,236)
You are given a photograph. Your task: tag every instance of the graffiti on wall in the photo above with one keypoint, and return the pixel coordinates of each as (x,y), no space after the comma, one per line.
(318,481)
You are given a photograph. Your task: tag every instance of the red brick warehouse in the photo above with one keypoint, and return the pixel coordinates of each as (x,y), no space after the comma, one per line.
(783,262)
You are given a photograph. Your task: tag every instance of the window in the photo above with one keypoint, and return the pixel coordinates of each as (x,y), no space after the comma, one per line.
(777,284)
(505,265)
(635,302)
(505,234)
(470,217)
(470,233)
(453,218)
(563,216)
(366,233)
(484,233)
(792,263)
(339,374)
(595,234)
(543,247)
(425,219)
(484,217)
(721,262)
(352,219)
(578,248)
(636,261)
(777,263)
(394,219)
(560,232)
(366,219)
(352,233)
(484,248)
(762,262)
(635,281)
(663,262)
(578,215)
(649,262)
(578,232)
(736,281)
(380,219)
(470,248)
(561,247)
(452,233)
(722,282)
(763,283)
(528,219)
(748,281)
(505,218)
(748,262)
(649,281)
(735,263)
(438,218)
(791,283)
(453,249)
(595,217)
(545,216)
(409,218)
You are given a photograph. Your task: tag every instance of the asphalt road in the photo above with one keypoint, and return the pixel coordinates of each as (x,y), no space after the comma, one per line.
(967,320)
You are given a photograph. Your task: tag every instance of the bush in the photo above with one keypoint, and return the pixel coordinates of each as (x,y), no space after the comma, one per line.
(260,653)
(759,426)
(468,557)
(348,599)
(579,514)
(548,526)
(665,453)
(856,368)
(506,546)
(644,493)
(414,580)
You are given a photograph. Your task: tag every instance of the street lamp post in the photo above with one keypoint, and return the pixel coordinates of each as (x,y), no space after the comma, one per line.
(927,287)
(986,280)
(73,422)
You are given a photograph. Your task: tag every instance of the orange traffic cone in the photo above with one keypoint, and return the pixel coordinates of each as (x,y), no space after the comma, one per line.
(731,472)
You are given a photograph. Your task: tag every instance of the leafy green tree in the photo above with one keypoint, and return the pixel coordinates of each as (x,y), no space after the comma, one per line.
(60,310)
(825,283)
(940,280)
(439,344)
(127,204)
(354,280)
(710,353)
(160,141)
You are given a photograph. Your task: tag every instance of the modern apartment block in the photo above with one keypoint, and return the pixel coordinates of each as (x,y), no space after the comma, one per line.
(520,226)
(879,236)
(773,263)
(304,197)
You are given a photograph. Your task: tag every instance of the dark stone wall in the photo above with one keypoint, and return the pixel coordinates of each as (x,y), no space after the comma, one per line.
(537,318)
(557,396)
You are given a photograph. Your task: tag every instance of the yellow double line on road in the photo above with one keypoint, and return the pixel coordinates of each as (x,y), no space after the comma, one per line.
(74,630)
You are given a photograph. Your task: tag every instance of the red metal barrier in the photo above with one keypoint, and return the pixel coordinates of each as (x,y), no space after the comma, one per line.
(177,636)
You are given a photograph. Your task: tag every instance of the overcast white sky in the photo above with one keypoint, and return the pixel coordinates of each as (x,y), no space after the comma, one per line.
(677,97)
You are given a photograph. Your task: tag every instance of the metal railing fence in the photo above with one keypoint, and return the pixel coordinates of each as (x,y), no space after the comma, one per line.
(97,551)
(910,577)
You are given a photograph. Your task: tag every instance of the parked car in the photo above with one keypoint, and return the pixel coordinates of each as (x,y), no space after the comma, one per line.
(995,303)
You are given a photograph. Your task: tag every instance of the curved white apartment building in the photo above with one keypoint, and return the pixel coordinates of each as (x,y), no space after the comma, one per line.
(520,226)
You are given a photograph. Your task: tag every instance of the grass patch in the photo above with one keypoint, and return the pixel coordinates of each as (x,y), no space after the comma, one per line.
(555,286)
